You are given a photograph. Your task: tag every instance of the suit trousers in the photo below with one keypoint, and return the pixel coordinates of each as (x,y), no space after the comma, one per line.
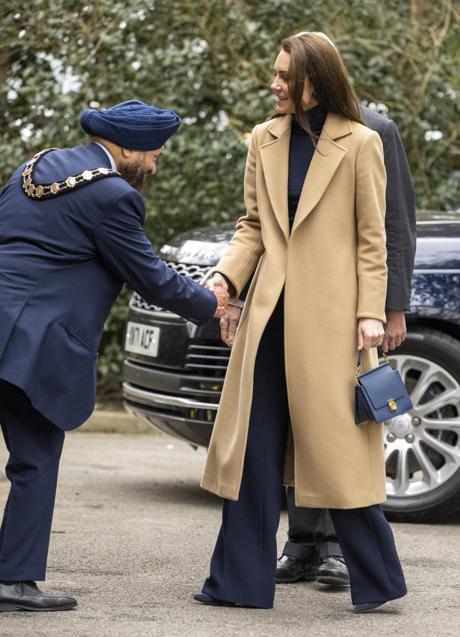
(311,532)
(34,446)
(243,563)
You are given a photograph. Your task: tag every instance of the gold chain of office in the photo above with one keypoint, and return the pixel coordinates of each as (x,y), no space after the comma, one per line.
(46,191)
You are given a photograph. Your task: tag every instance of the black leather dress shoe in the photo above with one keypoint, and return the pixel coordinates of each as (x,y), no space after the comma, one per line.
(291,569)
(27,596)
(333,571)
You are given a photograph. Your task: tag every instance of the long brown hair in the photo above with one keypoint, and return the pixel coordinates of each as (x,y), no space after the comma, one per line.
(314,57)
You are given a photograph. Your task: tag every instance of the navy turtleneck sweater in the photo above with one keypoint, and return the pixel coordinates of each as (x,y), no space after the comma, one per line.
(301,151)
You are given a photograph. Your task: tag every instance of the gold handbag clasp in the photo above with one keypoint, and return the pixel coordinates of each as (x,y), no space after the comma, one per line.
(392,404)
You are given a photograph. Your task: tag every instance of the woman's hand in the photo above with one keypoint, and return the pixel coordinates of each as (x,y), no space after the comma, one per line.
(370,333)
(229,323)
(217,280)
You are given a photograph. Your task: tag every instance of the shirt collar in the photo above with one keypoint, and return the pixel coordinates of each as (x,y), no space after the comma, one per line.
(109,155)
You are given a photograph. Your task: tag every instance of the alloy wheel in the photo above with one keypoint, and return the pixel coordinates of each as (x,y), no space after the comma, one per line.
(422,447)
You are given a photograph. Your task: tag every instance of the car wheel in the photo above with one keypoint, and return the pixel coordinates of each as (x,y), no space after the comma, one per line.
(422,447)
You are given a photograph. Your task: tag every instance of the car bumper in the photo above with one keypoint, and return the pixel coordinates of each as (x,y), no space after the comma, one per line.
(197,433)
(163,399)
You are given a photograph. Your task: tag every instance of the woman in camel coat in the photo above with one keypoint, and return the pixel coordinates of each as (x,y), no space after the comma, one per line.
(313,237)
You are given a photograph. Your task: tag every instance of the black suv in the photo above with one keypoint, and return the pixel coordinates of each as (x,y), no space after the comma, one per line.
(174,370)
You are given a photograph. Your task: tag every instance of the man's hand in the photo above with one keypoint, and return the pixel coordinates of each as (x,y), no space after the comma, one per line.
(218,285)
(370,333)
(222,300)
(229,323)
(395,330)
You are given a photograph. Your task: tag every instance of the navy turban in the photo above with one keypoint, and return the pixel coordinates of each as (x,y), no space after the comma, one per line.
(133,125)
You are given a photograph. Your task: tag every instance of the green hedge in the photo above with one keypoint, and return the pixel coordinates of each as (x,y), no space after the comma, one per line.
(211,61)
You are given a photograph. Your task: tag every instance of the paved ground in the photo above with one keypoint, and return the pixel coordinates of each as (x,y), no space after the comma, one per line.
(132,537)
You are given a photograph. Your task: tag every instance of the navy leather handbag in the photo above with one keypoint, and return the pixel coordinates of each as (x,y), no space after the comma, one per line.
(380,393)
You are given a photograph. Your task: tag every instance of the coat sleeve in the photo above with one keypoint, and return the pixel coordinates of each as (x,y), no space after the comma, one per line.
(240,259)
(370,223)
(400,220)
(126,250)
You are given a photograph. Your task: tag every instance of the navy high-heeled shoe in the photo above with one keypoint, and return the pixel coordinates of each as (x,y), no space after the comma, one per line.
(204,598)
(365,608)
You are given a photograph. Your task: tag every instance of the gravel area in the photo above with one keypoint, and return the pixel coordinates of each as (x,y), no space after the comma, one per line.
(132,538)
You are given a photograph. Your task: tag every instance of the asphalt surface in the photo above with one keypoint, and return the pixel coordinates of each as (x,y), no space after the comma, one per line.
(132,538)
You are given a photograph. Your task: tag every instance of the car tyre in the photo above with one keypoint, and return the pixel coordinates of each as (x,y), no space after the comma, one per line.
(429,361)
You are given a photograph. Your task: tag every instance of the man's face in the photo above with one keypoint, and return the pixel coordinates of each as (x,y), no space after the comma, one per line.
(136,165)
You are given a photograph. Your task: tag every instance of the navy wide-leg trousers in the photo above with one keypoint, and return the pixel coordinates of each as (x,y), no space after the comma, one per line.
(34,446)
(244,560)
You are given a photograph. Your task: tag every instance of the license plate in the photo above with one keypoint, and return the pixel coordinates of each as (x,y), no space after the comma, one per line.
(142,339)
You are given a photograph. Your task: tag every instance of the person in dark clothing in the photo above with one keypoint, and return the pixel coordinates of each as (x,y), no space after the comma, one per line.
(71,234)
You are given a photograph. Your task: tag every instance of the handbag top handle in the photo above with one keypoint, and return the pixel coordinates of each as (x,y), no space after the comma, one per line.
(359,357)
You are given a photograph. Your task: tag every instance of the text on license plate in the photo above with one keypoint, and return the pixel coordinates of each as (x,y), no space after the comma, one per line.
(142,339)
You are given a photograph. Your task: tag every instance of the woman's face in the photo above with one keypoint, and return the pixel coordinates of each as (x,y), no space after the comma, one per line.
(279,87)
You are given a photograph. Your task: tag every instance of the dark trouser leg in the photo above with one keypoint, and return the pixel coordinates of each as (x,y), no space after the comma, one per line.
(301,532)
(302,521)
(326,535)
(308,529)
(311,532)
(370,553)
(244,559)
(35,447)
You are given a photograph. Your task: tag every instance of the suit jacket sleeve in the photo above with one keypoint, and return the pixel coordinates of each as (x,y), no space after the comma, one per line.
(399,221)
(370,223)
(127,251)
(243,253)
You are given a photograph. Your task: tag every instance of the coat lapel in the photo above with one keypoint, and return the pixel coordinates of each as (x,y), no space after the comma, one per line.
(275,162)
(325,161)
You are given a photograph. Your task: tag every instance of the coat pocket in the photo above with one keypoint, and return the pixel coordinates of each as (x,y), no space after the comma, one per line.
(65,355)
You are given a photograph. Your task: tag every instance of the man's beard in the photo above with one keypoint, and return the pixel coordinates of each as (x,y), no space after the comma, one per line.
(134,173)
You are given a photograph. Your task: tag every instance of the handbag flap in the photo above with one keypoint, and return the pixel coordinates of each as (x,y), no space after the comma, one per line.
(382,384)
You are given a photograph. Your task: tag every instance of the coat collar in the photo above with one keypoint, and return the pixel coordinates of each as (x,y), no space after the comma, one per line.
(326,159)
(335,126)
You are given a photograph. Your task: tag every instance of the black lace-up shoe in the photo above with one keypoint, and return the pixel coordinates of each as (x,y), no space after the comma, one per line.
(333,571)
(27,596)
(291,569)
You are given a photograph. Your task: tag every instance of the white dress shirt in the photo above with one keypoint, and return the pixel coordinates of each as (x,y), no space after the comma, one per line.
(109,155)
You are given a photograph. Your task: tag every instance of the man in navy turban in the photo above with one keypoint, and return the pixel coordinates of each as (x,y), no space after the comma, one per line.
(71,234)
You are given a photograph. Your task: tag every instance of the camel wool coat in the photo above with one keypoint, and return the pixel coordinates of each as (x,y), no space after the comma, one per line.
(332,267)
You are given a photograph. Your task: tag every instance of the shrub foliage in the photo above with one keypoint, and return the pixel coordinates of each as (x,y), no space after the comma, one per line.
(211,61)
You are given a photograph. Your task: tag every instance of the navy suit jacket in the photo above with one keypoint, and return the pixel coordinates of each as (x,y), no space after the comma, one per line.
(63,262)
(400,222)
